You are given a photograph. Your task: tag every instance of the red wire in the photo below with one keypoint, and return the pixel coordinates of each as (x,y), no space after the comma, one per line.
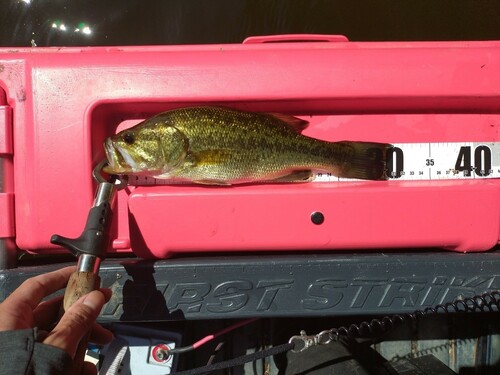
(208,338)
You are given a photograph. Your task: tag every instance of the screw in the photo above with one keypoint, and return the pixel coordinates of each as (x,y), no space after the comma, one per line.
(317,217)
(162,355)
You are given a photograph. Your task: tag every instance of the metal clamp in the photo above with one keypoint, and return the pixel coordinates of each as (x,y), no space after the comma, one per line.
(304,341)
(91,246)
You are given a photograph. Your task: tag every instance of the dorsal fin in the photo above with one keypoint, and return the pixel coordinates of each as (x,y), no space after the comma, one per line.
(298,124)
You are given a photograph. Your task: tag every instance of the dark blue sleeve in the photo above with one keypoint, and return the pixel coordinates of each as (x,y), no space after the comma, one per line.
(21,354)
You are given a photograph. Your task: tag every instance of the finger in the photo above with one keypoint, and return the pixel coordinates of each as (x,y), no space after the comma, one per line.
(107,293)
(100,335)
(47,313)
(33,290)
(76,322)
(14,317)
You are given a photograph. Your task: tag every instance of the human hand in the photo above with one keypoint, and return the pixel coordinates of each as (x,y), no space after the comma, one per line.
(23,309)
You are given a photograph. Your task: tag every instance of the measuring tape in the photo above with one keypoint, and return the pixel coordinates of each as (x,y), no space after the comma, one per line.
(420,161)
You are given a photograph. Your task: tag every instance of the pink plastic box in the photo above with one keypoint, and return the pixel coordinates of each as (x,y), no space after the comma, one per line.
(57,105)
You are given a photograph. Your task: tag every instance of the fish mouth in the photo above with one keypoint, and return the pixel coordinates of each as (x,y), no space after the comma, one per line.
(116,159)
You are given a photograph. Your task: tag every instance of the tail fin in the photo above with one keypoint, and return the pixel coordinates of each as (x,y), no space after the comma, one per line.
(368,162)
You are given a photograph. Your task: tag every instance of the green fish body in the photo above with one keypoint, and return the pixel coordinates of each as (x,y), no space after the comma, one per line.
(220,146)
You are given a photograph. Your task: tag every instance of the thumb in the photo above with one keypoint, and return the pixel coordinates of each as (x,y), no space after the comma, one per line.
(76,322)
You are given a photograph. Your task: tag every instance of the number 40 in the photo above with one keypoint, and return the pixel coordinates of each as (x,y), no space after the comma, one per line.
(482,161)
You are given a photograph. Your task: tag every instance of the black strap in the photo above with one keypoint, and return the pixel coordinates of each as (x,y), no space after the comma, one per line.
(239,360)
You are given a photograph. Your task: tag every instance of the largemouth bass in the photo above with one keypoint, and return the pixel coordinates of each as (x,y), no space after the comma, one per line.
(220,146)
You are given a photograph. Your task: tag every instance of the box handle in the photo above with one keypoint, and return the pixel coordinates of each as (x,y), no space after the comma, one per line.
(293,38)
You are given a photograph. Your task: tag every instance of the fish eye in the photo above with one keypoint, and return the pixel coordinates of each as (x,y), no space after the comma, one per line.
(129,138)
